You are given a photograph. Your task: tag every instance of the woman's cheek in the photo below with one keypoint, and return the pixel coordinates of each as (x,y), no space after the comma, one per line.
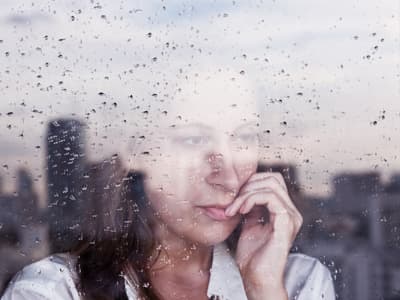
(246,170)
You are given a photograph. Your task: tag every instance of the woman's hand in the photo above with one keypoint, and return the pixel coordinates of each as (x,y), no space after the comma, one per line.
(264,244)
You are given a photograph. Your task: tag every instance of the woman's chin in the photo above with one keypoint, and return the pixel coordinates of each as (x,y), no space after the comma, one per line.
(214,236)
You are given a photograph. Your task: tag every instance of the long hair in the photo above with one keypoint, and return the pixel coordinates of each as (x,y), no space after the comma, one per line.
(119,242)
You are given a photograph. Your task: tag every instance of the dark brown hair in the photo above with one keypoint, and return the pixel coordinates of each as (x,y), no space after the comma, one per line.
(120,240)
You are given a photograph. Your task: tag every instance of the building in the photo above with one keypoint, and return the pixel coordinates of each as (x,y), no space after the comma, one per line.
(66,159)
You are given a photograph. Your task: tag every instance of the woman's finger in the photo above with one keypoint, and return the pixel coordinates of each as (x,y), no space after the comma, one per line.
(272,181)
(259,185)
(259,177)
(274,204)
(285,221)
(267,198)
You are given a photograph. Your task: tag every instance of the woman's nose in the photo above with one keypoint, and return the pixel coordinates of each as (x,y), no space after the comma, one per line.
(223,173)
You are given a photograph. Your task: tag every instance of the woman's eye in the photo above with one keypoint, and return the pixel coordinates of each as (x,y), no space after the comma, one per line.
(194,140)
(247,137)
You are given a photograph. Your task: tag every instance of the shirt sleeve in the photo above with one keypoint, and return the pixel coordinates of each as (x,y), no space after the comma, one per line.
(319,284)
(21,291)
(308,279)
(44,280)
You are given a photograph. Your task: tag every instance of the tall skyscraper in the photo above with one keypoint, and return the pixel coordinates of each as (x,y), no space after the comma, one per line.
(65,168)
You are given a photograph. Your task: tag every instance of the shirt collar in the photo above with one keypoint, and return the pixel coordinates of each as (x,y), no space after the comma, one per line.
(225,279)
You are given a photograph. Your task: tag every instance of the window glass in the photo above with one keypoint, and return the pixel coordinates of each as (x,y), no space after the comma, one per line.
(189,100)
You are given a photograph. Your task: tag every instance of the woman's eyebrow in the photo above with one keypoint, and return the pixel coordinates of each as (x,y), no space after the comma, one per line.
(248,124)
(201,126)
(192,126)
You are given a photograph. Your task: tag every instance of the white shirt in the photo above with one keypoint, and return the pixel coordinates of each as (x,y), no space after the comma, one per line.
(55,277)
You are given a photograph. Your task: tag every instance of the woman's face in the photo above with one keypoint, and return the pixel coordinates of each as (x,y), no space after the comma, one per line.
(203,149)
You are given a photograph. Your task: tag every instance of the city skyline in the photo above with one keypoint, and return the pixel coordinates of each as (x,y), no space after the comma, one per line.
(358,223)
(9,169)
(67,159)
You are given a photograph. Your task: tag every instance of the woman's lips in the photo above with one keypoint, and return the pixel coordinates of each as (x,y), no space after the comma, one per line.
(216,213)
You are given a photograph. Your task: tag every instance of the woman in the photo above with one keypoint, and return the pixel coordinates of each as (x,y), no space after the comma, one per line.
(199,223)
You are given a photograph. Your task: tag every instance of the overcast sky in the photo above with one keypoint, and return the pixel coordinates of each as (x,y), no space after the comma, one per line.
(334,64)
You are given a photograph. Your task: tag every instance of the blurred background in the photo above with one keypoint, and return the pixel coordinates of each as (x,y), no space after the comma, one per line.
(73,76)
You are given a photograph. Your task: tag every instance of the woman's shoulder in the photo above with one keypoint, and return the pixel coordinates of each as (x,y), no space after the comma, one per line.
(307,278)
(53,277)
(305,265)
